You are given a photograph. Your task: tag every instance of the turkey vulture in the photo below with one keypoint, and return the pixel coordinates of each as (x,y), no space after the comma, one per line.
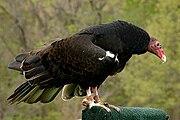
(79,64)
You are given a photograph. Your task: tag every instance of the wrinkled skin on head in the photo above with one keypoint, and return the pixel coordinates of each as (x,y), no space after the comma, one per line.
(155,47)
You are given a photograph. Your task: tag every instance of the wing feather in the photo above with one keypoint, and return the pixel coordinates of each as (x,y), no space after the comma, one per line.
(49,68)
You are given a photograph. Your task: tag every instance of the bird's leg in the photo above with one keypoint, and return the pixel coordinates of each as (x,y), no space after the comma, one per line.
(98,101)
(96,96)
(89,101)
(89,98)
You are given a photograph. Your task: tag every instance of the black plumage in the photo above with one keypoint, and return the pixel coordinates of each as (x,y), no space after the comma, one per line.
(77,62)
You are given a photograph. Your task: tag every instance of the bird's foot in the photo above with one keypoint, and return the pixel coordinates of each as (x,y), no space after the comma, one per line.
(97,100)
(112,106)
(91,103)
(87,101)
(99,105)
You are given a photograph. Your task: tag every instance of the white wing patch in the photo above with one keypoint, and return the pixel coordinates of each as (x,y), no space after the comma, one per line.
(101,58)
(109,54)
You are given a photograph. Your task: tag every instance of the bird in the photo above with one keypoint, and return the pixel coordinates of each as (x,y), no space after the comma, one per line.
(79,64)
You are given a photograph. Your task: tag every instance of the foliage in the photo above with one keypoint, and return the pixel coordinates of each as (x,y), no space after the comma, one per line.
(145,82)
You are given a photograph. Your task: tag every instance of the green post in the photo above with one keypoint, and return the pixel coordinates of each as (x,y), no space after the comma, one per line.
(126,113)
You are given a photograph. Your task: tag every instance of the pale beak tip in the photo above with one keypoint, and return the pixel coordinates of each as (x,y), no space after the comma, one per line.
(163,58)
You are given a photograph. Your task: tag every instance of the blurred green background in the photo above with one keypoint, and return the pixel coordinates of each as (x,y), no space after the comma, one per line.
(145,82)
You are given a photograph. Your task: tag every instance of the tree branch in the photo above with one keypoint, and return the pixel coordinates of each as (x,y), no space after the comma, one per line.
(19,26)
(7,45)
(98,9)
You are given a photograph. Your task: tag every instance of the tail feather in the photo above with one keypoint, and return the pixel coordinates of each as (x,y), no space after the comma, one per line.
(21,57)
(16,96)
(24,98)
(32,59)
(41,86)
(18,90)
(15,65)
(68,91)
(49,94)
(38,79)
(34,72)
(20,96)
(71,90)
(32,94)
(30,62)
(25,62)
(80,91)
(48,83)
(21,87)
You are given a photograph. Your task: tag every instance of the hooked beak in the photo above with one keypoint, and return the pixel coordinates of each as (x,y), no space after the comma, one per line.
(160,53)
(163,58)
(154,47)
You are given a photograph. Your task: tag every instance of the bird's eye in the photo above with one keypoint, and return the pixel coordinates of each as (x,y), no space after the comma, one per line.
(158,45)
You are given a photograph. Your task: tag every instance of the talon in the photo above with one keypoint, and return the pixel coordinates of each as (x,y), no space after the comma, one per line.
(106,104)
(112,106)
(85,103)
(91,101)
(97,99)
(99,105)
